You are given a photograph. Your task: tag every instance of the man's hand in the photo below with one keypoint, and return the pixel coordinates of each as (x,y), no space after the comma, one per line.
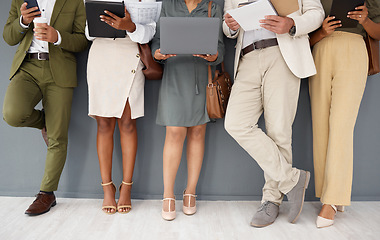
(46,33)
(114,21)
(27,14)
(159,56)
(231,22)
(277,24)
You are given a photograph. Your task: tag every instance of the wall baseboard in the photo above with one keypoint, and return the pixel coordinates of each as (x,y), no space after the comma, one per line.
(178,196)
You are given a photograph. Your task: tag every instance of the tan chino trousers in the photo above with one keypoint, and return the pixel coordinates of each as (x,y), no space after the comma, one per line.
(336,92)
(264,83)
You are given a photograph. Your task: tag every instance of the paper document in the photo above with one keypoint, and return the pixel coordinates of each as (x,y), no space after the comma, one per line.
(144,12)
(249,15)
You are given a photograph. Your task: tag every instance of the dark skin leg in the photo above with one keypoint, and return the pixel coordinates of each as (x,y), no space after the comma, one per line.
(128,140)
(104,143)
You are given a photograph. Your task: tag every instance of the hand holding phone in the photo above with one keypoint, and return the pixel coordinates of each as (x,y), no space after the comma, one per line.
(29,10)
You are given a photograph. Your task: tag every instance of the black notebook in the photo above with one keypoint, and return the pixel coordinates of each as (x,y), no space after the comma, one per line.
(340,9)
(99,28)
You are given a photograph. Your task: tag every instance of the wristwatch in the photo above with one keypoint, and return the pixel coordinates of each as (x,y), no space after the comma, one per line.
(292,31)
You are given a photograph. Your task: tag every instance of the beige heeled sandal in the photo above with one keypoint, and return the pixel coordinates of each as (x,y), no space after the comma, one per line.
(325,222)
(109,207)
(188,210)
(128,207)
(170,215)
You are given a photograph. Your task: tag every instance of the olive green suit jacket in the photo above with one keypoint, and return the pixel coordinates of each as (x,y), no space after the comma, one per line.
(69,18)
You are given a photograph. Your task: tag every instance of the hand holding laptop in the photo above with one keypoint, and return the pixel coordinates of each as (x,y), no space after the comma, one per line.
(207,57)
(159,56)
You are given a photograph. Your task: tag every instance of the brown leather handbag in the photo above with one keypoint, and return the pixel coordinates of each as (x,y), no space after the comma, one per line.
(218,89)
(152,70)
(217,93)
(373,55)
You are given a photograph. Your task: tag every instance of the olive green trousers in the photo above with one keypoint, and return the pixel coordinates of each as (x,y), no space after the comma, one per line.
(32,83)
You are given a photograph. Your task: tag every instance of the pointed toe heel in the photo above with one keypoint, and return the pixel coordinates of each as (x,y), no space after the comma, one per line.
(324,222)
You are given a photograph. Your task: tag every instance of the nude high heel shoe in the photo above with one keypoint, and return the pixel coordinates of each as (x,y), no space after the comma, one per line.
(324,222)
(121,207)
(104,208)
(188,210)
(170,215)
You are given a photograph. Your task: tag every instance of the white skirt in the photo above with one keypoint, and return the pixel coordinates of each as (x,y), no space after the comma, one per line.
(114,76)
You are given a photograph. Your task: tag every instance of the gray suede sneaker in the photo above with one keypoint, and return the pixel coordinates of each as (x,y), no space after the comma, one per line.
(296,196)
(265,215)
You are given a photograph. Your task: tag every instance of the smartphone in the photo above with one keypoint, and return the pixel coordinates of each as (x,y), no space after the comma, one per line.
(31,4)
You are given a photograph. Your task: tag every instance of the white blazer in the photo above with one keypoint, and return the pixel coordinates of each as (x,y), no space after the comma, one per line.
(295,50)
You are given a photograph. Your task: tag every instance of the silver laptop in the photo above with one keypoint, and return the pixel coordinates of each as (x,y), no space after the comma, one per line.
(189,35)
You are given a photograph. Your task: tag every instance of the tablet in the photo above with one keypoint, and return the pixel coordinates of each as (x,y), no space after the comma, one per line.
(189,35)
(340,9)
(98,28)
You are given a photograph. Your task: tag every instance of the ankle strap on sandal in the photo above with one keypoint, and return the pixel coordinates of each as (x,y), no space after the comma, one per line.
(126,183)
(333,207)
(189,194)
(106,184)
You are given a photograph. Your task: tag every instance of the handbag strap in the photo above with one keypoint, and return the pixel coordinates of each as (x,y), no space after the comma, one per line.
(209,67)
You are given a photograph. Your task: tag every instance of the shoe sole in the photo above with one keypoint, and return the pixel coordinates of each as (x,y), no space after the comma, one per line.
(303,196)
(189,214)
(36,214)
(260,226)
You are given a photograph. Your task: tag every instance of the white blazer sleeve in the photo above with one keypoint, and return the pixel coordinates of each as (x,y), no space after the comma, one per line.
(227,31)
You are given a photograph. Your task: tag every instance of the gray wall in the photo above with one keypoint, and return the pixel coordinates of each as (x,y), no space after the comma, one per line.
(228,172)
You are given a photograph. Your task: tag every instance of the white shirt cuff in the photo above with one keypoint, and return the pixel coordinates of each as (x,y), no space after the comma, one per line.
(59,39)
(233,32)
(143,33)
(138,34)
(23,25)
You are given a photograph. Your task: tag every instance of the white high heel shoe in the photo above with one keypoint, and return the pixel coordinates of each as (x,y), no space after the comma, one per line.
(324,222)
(170,215)
(187,209)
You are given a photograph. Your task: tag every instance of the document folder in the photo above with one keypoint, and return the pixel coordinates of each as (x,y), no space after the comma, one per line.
(340,8)
(99,28)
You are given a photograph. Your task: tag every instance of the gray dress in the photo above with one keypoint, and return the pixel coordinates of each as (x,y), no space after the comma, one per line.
(182,96)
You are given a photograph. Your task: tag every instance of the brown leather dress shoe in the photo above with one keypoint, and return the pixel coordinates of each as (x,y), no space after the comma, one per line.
(42,204)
